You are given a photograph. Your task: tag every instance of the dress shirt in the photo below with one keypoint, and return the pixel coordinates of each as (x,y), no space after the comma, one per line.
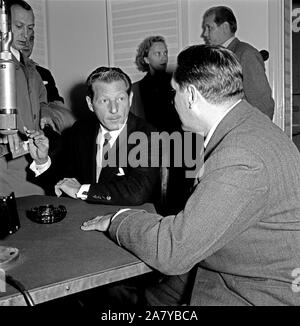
(16,53)
(82,193)
(226,43)
(214,127)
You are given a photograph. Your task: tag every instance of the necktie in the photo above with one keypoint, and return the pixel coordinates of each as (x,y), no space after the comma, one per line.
(105,149)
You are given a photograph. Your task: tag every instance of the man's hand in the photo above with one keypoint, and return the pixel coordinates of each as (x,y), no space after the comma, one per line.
(38,146)
(48,121)
(99,223)
(70,186)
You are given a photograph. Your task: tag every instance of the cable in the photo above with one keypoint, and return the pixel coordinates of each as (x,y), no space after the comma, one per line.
(20,287)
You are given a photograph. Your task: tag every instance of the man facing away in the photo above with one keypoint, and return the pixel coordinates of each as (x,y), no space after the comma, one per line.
(80,169)
(219,28)
(240,228)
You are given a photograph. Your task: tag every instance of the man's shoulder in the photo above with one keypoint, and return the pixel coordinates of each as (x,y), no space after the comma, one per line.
(242,47)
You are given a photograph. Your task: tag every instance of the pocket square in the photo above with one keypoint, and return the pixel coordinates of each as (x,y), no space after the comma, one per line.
(45,82)
(121,172)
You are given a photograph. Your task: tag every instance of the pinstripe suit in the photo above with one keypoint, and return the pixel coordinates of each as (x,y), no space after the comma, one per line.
(241,225)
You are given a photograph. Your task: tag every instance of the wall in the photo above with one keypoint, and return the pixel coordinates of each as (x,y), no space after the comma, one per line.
(77,43)
(77,35)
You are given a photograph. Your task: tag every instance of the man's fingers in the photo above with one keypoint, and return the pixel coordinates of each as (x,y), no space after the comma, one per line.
(91,224)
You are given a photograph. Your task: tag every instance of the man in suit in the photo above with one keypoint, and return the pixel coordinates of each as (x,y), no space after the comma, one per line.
(240,228)
(32,107)
(219,28)
(83,169)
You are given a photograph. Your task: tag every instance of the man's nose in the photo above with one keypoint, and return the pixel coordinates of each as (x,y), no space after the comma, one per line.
(113,107)
(25,33)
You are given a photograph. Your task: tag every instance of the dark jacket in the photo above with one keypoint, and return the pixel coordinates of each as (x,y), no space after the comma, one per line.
(120,184)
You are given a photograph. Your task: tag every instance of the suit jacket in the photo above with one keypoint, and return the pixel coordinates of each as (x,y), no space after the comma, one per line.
(256,86)
(31,101)
(241,226)
(49,82)
(120,184)
(153,101)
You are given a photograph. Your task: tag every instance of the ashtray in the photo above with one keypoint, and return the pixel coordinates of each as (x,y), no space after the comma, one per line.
(47,214)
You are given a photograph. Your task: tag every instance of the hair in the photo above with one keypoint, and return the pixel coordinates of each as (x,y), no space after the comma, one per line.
(213,70)
(143,51)
(223,14)
(20,3)
(107,75)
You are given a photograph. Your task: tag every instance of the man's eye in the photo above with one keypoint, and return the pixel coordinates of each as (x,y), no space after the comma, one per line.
(121,98)
(103,101)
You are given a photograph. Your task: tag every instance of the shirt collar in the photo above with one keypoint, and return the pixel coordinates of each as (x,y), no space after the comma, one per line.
(226,43)
(16,53)
(114,133)
(214,127)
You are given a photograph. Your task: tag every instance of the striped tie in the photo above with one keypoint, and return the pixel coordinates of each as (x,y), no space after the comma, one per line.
(105,149)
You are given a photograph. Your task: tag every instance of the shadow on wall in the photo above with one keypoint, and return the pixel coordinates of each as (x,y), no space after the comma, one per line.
(78,103)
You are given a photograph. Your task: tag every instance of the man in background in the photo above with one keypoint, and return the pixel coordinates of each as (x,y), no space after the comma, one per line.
(31,105)
(62,117)
(219,28)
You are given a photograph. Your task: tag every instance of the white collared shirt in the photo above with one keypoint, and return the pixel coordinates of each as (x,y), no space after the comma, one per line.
(226,43)
(16,53)
(214,127)
(100,140)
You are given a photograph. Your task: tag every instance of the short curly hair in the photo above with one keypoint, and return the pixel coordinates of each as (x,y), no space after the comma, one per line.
(143,50)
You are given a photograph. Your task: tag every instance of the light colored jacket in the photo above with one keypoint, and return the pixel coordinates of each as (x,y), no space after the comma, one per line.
(31,100)
(241,225)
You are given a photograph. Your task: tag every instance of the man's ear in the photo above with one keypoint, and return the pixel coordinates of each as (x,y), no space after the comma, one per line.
(226,28)
(192,94)
(89,103)
(146,60)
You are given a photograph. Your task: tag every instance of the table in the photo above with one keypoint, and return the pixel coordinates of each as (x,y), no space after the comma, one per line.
(60,259)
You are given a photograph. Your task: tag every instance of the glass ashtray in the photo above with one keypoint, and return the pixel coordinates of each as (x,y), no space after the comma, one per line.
(47,214)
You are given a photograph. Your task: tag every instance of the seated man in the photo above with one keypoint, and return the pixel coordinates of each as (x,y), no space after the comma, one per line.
(240,228)
(81,164)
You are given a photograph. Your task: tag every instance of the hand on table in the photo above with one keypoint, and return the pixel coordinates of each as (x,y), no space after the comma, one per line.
(70,186)
(99,223)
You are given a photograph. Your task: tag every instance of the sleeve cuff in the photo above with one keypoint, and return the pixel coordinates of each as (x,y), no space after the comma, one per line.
(38,169)
(83,191)
(119,212)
